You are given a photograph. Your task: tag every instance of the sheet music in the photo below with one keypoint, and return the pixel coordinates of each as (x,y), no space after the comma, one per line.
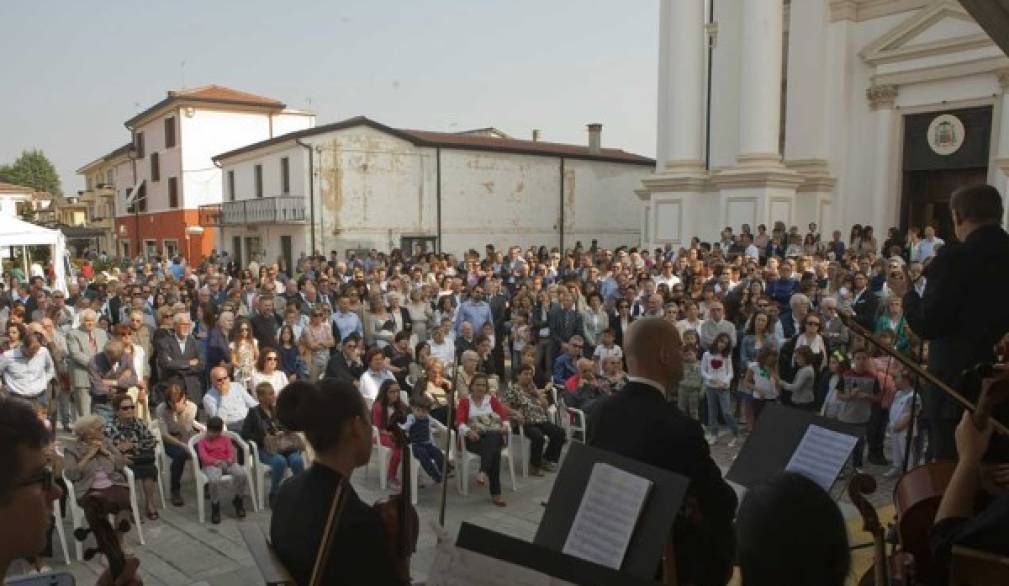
(455,566)
(821,454)
(607,516)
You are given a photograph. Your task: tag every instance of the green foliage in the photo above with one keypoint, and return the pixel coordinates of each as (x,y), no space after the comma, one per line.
(32,169)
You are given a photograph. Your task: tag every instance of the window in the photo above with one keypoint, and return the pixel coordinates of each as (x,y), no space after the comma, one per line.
(132,207)
(285,175)
(138,144)
(231,185)
(109,177)
(169,132)
(126,248)
(155,167)
(142,197)
(171,247)
(258,180)
(173,192)
(150,248)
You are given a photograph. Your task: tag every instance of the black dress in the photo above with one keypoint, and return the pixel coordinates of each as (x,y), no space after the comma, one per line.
(359,553)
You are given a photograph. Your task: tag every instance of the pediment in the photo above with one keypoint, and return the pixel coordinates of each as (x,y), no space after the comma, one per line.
(942,27)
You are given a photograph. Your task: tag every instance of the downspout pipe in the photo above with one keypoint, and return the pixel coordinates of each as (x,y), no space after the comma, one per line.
(707,122)
(437,193)
(561,226)
(311,189)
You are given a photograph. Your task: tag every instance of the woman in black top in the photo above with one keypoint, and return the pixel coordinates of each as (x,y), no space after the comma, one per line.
(335,420)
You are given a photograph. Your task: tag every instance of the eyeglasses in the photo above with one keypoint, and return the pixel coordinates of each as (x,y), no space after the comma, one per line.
(44,477)
(221,379)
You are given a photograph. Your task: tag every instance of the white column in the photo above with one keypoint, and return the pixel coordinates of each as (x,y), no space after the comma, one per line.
(681,85)
(881,100)
(760,83)
(1002,150)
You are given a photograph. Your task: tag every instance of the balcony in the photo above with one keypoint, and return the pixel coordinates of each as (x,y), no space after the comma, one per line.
(264,210)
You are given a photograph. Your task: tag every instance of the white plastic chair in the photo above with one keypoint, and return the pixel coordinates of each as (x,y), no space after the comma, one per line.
(464,457)
(383,458)
(77,513)
(576,424)
(415,465)
(261,470)
(61,531)
(524,449)
(201,478)
(159,455)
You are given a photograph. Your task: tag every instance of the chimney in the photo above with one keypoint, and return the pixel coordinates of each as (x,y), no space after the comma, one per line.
(536,134)
(595,137)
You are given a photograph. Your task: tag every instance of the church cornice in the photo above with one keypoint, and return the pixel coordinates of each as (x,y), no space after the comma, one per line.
(859,10)
(894,46)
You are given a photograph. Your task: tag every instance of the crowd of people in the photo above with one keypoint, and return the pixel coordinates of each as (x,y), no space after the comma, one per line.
(508,341)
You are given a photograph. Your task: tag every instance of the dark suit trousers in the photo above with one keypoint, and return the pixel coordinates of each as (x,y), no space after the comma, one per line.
(488,447)
(537,433)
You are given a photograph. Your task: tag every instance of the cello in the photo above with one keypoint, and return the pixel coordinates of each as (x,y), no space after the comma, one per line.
(919,491)
(402,524)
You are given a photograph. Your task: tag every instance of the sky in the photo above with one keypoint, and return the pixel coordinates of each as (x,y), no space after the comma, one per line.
(73,71)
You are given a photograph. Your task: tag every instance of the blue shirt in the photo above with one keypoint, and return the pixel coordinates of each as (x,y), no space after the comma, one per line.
(177,271)
(564,368)
(347,323)
(476,313)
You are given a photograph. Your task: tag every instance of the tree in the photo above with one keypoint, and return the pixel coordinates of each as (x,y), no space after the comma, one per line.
(32,169)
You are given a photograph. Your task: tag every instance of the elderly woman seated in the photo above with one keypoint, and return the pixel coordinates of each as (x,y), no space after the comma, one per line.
(587,391)
(95,467)
(134,440)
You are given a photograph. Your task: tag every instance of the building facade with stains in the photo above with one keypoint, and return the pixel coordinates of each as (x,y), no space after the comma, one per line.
(165,173)
(358,184)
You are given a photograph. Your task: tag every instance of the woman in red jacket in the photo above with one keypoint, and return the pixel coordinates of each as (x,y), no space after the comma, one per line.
(482,420)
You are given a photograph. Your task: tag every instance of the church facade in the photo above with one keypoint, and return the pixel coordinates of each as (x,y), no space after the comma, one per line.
(837,112)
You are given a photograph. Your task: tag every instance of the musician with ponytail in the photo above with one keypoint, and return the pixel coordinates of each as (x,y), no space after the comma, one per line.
(334,418)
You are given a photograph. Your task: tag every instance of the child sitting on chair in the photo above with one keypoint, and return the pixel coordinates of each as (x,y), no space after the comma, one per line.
(218,458)
(418,429)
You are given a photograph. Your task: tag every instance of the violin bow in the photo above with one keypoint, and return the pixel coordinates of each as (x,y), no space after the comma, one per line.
(328,533)
(910,364)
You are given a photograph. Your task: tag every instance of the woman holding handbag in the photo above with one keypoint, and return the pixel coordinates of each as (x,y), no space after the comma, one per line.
(134,439)
(278,448)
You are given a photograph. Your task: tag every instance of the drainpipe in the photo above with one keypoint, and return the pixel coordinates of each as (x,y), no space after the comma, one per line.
(311,188)
(437,193)
(711,54)
(562,206)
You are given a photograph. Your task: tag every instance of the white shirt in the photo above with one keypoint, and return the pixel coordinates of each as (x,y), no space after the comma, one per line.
(444,351)
(370,383)
(669,281)
(232,407)
(27,377)
(752,251)
(602,353)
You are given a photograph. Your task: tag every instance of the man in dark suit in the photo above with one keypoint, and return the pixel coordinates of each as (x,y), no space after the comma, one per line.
(959,306)
(864,302)
(265,323)
(345,366)
(179,358)
(564,321)
(639,423)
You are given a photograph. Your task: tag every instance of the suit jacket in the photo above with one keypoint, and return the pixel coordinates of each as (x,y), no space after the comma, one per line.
(865,309)
(122,372)
(173,362)
(560,331)
(264,329)
(618,332)
(338,369)
(639,423)
(963,313)
(81,354)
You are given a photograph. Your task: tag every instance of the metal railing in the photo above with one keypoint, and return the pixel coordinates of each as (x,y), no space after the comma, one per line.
(265,210)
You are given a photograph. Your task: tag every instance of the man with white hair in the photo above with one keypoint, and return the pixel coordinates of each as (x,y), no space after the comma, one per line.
(790,321)
(179,357)
(834,332)
(82,344)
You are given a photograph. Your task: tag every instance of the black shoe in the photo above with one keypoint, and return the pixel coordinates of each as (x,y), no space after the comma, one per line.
(239,508)
(177,499)
(215,513)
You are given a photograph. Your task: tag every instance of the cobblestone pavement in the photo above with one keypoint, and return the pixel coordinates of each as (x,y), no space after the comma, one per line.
(180,550)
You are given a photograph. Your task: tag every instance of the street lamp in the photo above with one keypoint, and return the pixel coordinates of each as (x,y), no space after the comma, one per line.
(190,232)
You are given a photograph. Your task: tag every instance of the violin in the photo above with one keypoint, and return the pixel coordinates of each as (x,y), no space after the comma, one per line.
(919,491)
(402,524)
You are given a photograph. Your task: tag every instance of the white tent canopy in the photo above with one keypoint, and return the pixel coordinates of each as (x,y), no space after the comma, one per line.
(15,232)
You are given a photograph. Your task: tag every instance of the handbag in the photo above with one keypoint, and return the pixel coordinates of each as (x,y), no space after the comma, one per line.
(283,442)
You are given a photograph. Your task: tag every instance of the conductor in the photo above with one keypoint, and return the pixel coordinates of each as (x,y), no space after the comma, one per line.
(959,306)
(639,423)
